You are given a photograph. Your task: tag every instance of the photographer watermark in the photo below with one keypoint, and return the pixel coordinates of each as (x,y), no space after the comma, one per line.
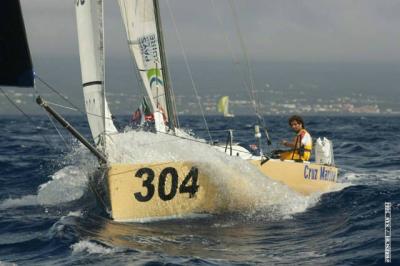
(388,231)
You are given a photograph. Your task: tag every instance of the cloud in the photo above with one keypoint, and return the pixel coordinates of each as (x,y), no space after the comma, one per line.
(279,30)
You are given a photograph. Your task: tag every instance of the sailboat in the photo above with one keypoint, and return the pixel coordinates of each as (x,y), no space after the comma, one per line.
(223,106)
(162,188)
(153,188)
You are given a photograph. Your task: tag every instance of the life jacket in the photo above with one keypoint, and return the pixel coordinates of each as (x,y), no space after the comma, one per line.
(305,141)
(303,153)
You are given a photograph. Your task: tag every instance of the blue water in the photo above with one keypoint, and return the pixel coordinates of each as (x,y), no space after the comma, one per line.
(48,215)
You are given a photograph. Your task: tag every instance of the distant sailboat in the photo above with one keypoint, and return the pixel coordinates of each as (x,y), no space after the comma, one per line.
(223,106)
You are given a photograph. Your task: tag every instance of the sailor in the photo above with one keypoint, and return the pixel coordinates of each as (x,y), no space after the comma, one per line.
(301,145)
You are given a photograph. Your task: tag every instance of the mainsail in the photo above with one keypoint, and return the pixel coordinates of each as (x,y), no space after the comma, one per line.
(89,14)
(143,29)
(15,59)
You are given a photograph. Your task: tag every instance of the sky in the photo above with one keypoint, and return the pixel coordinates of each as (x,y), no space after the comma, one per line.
(344,32)
(278,30)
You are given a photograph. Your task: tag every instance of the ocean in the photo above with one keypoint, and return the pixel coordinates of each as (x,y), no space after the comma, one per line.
(49,216)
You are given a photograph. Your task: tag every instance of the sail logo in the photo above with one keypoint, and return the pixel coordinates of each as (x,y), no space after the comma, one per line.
(149,48)
(154,76)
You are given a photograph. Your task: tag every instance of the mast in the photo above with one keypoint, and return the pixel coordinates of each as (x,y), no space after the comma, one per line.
(172,122)
(103,61)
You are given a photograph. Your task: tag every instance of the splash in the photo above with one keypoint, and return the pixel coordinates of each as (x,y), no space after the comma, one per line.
(240,185)
(28,200)
(70,182)
(65,185)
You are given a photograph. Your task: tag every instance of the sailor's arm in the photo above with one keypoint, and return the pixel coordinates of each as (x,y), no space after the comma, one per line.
(287,143)
(291,144)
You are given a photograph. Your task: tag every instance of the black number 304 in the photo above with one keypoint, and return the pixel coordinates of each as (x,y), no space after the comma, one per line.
(189,184)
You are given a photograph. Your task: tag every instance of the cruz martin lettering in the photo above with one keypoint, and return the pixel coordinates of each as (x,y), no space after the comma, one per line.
(310,173)
(327,174)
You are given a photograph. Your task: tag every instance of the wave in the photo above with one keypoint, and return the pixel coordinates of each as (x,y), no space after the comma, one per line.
(93,248)
(378,176)
(28,200)
(2,263)
(66,185)
(70,182)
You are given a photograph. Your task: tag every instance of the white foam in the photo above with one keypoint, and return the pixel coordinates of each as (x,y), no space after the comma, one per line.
(165,218)
(75,214)
(2,263)
(66,185)
(70,182)
(255,192)
(28,200)
(377,176)
(92,248)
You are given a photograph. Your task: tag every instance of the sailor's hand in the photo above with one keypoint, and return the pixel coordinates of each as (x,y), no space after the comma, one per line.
(284,142)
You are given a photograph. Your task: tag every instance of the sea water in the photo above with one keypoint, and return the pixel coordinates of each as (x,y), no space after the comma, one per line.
(49,216)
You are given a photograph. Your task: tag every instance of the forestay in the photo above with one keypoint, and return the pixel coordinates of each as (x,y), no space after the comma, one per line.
(89,15)
(140,22)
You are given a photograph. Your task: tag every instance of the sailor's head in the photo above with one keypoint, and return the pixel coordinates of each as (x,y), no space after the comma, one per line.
(296,123)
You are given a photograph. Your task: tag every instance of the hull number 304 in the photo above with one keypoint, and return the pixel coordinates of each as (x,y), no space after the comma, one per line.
(188,185)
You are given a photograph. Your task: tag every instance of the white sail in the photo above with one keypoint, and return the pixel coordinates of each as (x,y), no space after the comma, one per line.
(143,40)
(89,15)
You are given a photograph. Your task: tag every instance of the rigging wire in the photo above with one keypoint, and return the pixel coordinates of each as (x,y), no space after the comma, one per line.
(253,95)
(250,71)
(75,108)
(58,93)
(61,106)
(56,128)
(27,116)
(173,99)
(51,120)
(188,68)
(235,60)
